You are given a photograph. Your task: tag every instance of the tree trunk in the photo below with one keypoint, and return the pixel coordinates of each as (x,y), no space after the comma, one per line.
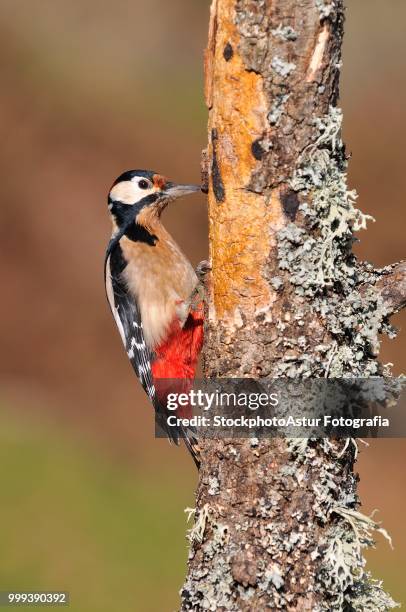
(276,523)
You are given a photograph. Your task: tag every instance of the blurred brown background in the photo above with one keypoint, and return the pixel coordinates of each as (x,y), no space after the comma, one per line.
(91,502)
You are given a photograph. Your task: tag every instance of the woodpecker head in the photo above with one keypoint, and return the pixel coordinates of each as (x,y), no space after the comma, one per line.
(141,196)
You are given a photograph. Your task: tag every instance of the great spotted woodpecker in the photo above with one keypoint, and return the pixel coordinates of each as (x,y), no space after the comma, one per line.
(153,290)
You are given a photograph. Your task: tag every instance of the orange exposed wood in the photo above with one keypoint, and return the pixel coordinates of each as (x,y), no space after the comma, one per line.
(237,225)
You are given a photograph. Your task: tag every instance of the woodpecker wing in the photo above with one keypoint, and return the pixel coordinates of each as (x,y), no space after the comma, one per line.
(128,319)
(127,315)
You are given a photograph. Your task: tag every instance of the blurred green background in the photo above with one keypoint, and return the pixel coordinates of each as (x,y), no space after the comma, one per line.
(90,501)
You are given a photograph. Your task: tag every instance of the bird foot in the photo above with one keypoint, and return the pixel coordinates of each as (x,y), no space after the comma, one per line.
(202,269)
(199,294)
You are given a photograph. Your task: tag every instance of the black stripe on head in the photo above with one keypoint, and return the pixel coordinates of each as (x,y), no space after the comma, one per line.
(130,174)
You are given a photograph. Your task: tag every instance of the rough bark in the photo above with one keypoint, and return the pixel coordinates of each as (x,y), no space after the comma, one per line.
(276,523)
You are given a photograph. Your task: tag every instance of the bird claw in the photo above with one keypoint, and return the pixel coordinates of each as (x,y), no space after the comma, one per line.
(198,297)
(199,294)
(202,269)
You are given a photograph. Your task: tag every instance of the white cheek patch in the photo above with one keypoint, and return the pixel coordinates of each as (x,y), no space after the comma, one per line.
(128,192)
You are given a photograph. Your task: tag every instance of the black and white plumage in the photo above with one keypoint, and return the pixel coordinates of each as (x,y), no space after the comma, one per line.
(149,284)
(128,319)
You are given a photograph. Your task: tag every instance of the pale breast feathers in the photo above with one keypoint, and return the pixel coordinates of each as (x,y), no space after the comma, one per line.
(161,280)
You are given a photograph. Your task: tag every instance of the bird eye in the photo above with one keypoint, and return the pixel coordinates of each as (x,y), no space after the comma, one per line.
(143,184)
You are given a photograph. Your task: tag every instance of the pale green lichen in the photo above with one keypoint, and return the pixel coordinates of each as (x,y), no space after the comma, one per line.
(214,486)
(362,525)
(342,580)
(196,533)
(331,218)
(343,570)
(272,577)
(318,258)
(206,590)
(285,32)
(325,8)
(277,108)
(282,67)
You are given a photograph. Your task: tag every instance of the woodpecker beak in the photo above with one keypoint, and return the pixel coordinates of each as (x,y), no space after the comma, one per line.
(173,191)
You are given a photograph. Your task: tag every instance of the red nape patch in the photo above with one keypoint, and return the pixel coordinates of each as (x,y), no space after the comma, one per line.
(159,181)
